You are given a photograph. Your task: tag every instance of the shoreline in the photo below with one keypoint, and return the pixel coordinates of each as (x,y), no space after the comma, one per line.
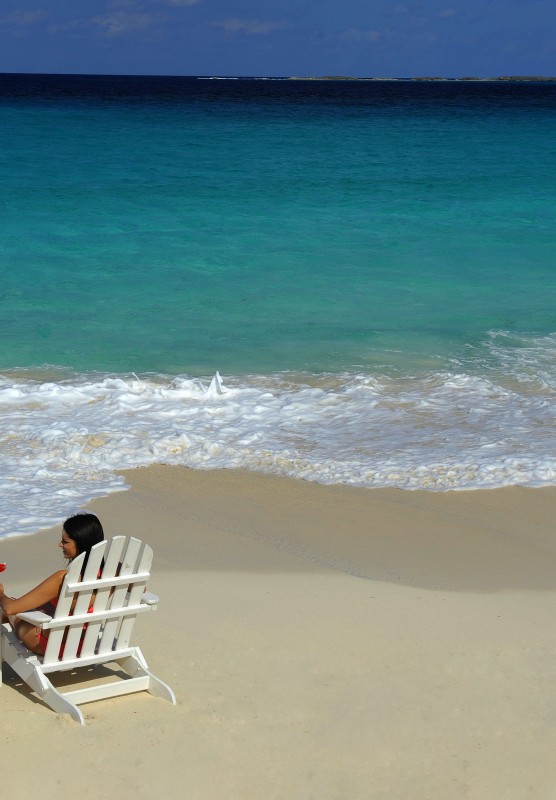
(322,641)
(339,522)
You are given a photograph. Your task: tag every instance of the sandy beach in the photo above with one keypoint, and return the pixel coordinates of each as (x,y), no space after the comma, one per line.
(324,642)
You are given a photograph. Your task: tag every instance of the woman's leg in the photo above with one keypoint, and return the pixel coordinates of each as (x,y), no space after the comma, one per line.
(29,634)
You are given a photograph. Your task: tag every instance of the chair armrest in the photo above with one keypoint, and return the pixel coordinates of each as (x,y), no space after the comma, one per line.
(149,598)
(37,618)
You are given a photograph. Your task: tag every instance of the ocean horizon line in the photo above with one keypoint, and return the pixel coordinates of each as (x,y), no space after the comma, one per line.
(364,78)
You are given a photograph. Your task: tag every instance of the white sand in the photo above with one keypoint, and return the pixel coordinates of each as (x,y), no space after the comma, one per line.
(324,643)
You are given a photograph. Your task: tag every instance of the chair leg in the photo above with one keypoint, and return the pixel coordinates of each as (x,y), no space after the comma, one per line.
(135,665)
(43,687)
(62,705)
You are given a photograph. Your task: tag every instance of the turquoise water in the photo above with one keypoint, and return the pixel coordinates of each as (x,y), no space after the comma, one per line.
(255,236)
(298,237)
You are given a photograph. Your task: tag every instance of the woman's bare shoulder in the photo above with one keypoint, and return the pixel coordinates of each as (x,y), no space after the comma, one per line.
(55,580)
(60,573)
(56,577)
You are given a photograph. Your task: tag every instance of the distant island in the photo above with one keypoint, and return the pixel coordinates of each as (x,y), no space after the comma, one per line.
(517,78)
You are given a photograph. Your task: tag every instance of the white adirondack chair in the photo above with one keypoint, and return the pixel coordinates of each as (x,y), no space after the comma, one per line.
(107,600)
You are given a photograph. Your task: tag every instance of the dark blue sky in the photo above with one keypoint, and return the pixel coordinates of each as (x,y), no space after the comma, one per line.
(370,38)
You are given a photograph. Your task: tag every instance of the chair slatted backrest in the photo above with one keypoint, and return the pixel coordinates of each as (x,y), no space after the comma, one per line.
(100,591)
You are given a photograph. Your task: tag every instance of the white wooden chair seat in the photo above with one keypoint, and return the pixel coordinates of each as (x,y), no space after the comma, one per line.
(92,624)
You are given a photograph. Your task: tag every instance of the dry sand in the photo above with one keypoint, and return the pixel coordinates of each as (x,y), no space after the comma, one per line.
(324,643)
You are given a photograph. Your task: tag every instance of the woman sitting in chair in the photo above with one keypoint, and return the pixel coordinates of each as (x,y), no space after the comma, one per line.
(79,534)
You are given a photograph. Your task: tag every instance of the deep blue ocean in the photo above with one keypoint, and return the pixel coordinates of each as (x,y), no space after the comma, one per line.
(368,265)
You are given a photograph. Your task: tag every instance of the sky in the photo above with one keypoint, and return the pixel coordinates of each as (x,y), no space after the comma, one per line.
(360,38)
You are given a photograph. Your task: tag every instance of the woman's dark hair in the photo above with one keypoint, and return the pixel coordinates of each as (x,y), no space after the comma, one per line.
(85,530)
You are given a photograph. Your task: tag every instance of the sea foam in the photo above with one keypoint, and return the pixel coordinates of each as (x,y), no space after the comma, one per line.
(64,441)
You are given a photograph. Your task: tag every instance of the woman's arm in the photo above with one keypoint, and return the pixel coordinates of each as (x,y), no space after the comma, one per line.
(41,594)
